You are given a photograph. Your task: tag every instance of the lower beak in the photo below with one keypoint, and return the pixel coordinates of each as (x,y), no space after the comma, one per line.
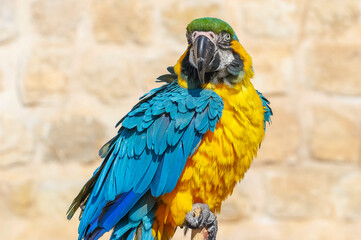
(203,52)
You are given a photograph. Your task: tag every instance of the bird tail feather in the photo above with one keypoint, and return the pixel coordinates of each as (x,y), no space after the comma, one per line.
(131,215)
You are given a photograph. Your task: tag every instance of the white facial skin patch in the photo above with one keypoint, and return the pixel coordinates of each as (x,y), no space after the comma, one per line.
(225,55)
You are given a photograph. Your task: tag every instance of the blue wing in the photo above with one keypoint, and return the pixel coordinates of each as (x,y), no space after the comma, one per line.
(146,157)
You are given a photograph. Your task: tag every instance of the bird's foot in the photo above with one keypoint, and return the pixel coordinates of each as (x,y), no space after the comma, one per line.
(201,217)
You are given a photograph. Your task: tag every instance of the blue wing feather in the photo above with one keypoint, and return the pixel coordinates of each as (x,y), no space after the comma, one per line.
(159,182)
(117,209)
(160,139)
(267,109)
(190,103)
(173,177)
(147,156)
(142,208)
(181,106)
(183,119)
(141,142)
(149,174)
(122,227)
(188,138)
(131,234)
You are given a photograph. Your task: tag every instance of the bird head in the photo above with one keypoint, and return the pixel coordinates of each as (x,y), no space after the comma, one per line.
(214,56)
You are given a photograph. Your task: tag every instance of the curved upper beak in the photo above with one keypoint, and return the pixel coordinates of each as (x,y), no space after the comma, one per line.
(204,50)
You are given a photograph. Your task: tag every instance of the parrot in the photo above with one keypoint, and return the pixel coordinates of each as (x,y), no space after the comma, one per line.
(187,142)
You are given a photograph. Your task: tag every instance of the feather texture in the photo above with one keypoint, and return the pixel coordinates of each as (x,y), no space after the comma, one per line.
(267,109)
(147,156)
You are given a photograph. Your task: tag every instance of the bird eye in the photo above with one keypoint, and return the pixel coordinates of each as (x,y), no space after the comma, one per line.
(227,36)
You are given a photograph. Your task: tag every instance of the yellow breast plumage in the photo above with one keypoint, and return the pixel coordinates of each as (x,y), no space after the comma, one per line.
(223,155)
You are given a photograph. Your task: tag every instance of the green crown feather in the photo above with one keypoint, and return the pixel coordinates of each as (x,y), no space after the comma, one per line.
(211,24)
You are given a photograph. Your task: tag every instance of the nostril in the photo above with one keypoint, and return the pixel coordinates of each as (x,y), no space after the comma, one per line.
(211,35)
(194,35)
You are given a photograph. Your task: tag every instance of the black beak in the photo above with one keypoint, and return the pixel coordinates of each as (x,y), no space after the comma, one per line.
(203,53)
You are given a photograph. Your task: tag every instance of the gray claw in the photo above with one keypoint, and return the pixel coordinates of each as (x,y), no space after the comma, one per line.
(202,217)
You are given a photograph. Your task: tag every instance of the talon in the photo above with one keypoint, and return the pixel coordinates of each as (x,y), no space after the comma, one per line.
(201,217)
(197,212)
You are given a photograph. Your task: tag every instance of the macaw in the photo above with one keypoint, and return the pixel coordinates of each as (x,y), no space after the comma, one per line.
(189,141)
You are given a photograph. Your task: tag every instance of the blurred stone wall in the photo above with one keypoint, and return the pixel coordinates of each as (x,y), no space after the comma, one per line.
(70,69)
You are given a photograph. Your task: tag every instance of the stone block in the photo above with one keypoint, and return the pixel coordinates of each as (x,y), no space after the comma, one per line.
(56,20)
(37,197)
(73,138)
(154,66)
(8,21)
(282,230)
(1,81)
(299,193)
(108,75)
(45,228)
(335,68)
(178,15)
(282,139)
(21,196)
(247,199)
(17,142)
(46,75)
(54,196)
(347,194)
(332,18)
(121,21)
(334,137)
(271,19)
(273,67)
(236,207)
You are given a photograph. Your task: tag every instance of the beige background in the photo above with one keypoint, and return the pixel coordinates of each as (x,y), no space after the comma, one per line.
(70,69)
